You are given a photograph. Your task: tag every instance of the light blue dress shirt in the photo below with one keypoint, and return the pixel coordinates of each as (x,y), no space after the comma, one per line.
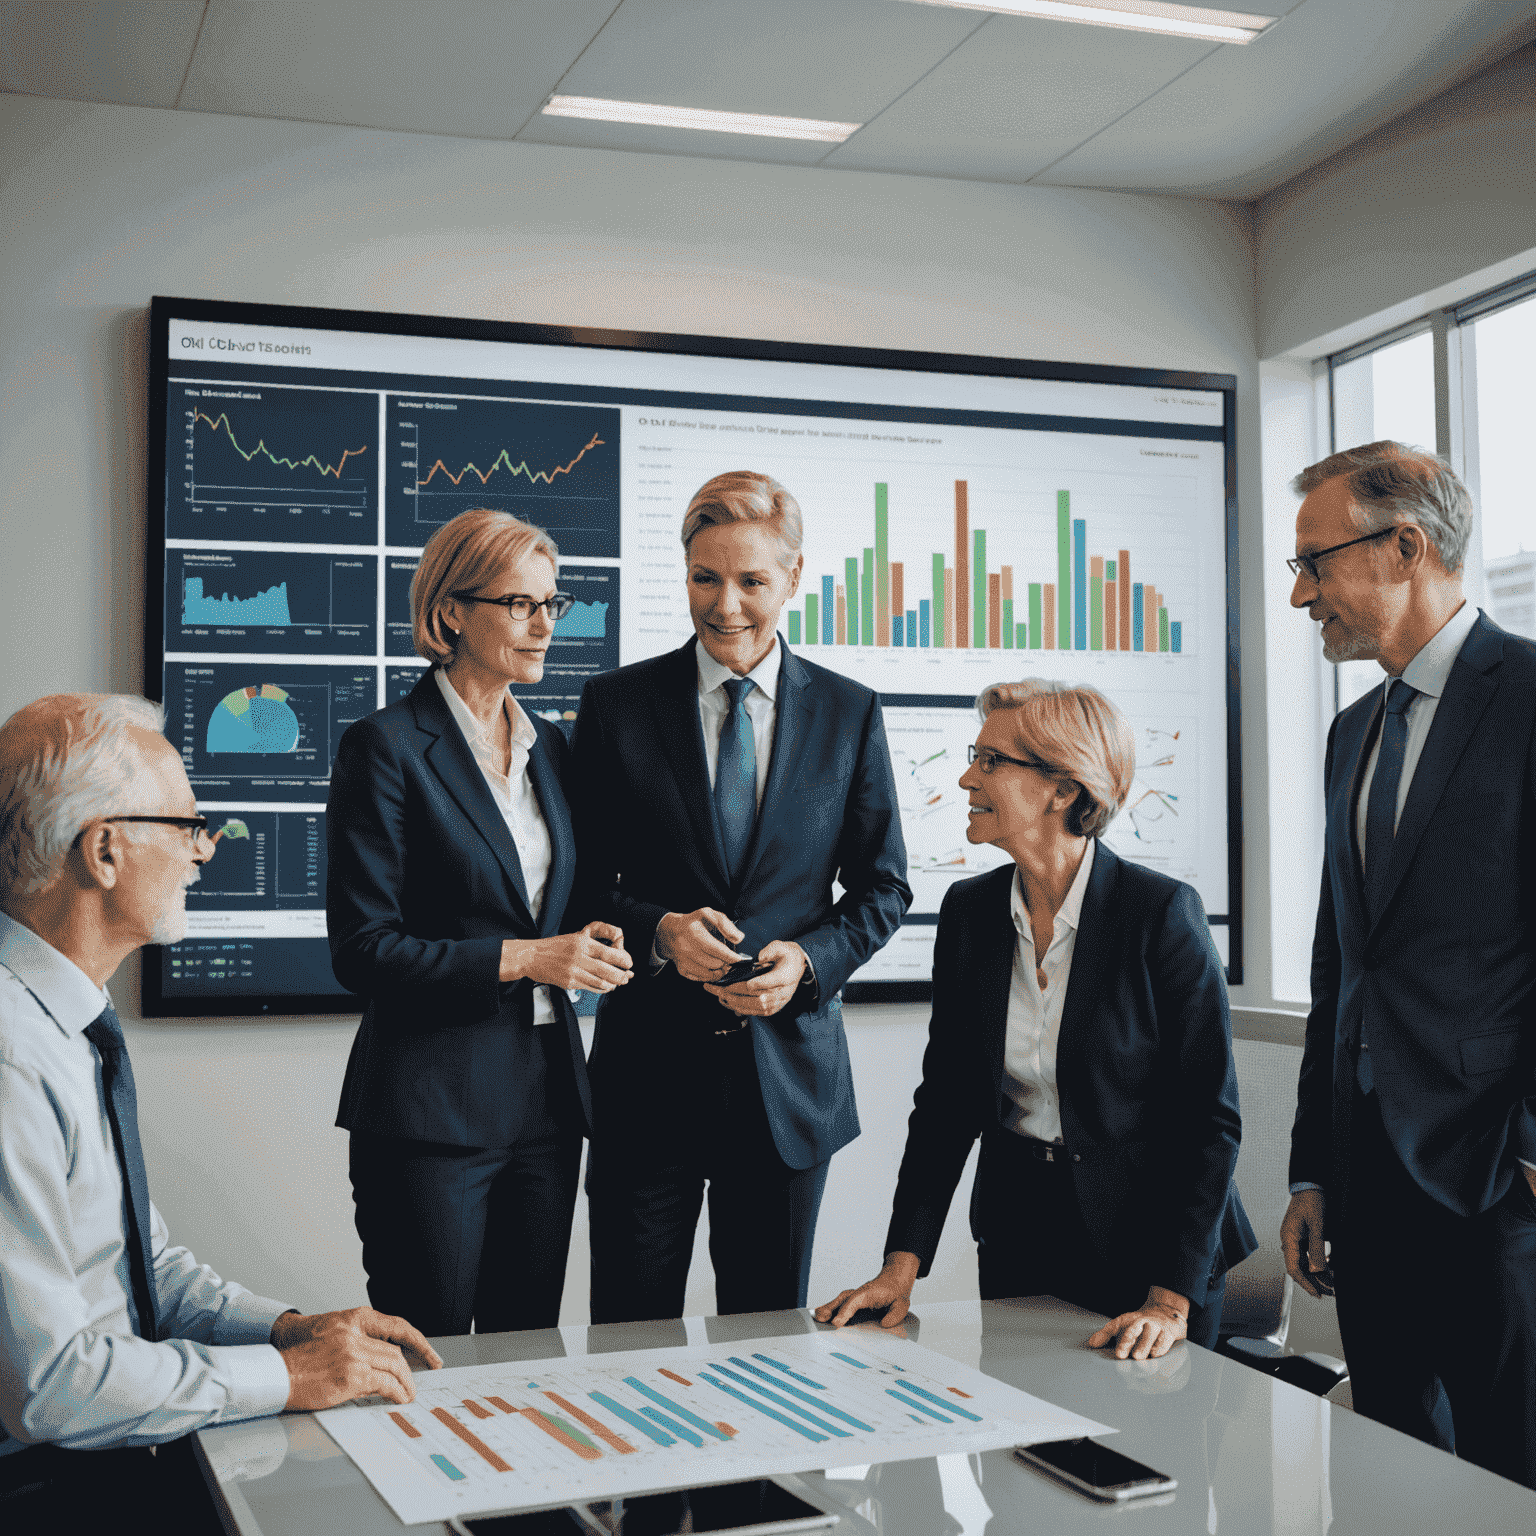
(72,1370)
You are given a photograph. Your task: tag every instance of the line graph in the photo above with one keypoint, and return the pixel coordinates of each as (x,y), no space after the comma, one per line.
(309,461)
(555,465)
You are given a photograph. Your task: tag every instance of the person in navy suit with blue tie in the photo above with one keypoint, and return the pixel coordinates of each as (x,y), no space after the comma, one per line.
(720,791)
(1413,1155)
(451,858)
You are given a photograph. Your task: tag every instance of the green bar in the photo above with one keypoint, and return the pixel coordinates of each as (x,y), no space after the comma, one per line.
(794,625)
(1096,614)
(1063,570)
(979,589)
(1109,570)
(1162,628)
(1034,615)
(867,599)
(1007,623)
(812,617)
(882,555)
(938,600)
(1023,636)
(851,585)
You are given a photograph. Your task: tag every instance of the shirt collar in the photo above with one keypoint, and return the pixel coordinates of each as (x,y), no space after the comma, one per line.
(1071,909)
(523,733)
(61,988)
(1430,670)
(765,674)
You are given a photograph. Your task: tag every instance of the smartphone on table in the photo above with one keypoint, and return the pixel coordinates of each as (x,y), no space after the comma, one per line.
(1095,1470)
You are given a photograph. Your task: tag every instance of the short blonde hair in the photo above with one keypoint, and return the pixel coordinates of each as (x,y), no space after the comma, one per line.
(743,496)
(1079,734)
(465,555)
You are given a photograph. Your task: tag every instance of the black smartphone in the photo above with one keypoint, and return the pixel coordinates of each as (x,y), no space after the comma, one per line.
(536,1522)
(760,1507)
(741,970)
(1095,1469)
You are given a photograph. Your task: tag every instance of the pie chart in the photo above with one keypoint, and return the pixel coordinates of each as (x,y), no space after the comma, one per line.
(256,719)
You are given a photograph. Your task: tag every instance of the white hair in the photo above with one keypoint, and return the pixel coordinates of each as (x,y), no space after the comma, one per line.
(64,761)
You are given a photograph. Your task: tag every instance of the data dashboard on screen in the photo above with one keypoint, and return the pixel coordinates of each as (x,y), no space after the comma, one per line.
(968,520)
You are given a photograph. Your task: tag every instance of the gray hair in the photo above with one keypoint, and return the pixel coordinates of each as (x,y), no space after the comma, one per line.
(1392,483)
(65,760)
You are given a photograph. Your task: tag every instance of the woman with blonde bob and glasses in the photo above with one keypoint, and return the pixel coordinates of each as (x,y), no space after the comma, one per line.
(451,858)
(1080,1028)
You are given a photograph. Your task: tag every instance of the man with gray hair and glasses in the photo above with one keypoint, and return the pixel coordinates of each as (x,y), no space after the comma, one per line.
(1413,1153)
(111,1339)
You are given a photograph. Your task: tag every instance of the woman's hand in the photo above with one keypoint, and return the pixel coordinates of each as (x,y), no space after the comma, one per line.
(762,996)
(890,1291)
(1149,1332)
(698,943)
(594,960)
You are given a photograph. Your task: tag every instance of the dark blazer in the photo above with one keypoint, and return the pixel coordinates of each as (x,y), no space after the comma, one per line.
(423,885)
(1444,981)
(649,844)
(1144,1071)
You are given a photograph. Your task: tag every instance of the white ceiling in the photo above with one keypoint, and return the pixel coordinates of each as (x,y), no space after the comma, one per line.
(941,92)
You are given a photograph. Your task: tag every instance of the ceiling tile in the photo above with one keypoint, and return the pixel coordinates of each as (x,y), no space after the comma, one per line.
(1248,118)
(475,68)
(98,50)
(1017,95)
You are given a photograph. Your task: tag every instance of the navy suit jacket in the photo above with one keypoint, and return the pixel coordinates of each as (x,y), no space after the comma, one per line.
(423,884)
(649,844)
(1144,1071)
(1443,982)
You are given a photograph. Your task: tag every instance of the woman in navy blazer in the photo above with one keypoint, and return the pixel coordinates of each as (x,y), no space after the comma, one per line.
(450,860)
(1080,1028)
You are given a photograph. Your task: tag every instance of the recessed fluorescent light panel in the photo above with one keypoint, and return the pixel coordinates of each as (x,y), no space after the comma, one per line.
(1131,15)
(596,108)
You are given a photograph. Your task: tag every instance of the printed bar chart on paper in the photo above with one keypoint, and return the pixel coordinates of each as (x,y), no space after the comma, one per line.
(535,1434)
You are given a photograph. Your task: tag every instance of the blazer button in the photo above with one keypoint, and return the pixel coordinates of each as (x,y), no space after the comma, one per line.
(1077,1157)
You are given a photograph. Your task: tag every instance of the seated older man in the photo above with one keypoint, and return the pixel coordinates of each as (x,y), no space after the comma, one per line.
(111,1339)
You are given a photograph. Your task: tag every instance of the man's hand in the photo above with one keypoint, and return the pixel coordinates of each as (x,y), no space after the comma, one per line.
(1150,1331)
(333,1357)
(696,943)
(760,997)
(1301,1241)
(890,1290)
(1530,1176)
(594,959)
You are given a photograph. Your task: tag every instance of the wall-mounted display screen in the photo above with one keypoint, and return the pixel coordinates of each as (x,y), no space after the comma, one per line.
(967,521)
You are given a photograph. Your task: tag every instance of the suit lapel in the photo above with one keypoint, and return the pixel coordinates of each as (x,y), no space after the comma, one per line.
(1353,750)
(562,843)
(1092,955)
(989,951)
(792,713)
(449,757)
(675,706)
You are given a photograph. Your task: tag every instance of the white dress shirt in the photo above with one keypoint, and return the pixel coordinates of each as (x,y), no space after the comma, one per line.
(517,802)
(761,704)
(72,1370)
(1034,1017)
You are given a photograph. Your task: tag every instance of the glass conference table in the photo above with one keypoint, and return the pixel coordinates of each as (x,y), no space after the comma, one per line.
(1252,1456)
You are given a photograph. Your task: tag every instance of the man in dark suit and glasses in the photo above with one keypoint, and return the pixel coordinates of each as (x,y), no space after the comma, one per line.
(718,792)
(1414,1149)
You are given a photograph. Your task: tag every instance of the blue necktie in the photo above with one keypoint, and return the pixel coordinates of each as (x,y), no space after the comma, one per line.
(106,1034)
(736,777)
(1381,821)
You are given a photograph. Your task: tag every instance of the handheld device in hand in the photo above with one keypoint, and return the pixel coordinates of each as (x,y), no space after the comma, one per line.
(1095,1469)
(741,970)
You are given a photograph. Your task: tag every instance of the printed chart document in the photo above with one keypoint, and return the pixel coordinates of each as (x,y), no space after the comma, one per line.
(542,1432)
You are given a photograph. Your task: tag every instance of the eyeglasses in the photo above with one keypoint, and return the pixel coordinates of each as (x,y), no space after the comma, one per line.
(196,825)
(987,760)
(556,605)
(1306,565)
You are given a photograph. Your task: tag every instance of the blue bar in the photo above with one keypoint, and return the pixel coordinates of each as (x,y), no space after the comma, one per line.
(448,1467)
(631,1418)
(907,1402)
(915,1419)
(799,1429)
(1136,608)
(816,1402)
(924,624)
(1079,584)
(1175,635)
(783,1402)
(898,630)
(911,626)
(673,1425)
(828,610)
(849,1358)
(943,1402)
(677,1408)
(779,1365)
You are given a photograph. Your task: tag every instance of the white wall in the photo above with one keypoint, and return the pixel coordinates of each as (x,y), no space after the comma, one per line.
(104,206)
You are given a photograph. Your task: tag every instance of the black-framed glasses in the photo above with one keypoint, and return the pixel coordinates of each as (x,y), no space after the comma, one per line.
(520,606)
(1306,565)
(987,760)
(196,825)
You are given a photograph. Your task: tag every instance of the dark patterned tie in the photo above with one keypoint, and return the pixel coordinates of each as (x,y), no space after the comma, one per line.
(106,1034)
(736,777)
